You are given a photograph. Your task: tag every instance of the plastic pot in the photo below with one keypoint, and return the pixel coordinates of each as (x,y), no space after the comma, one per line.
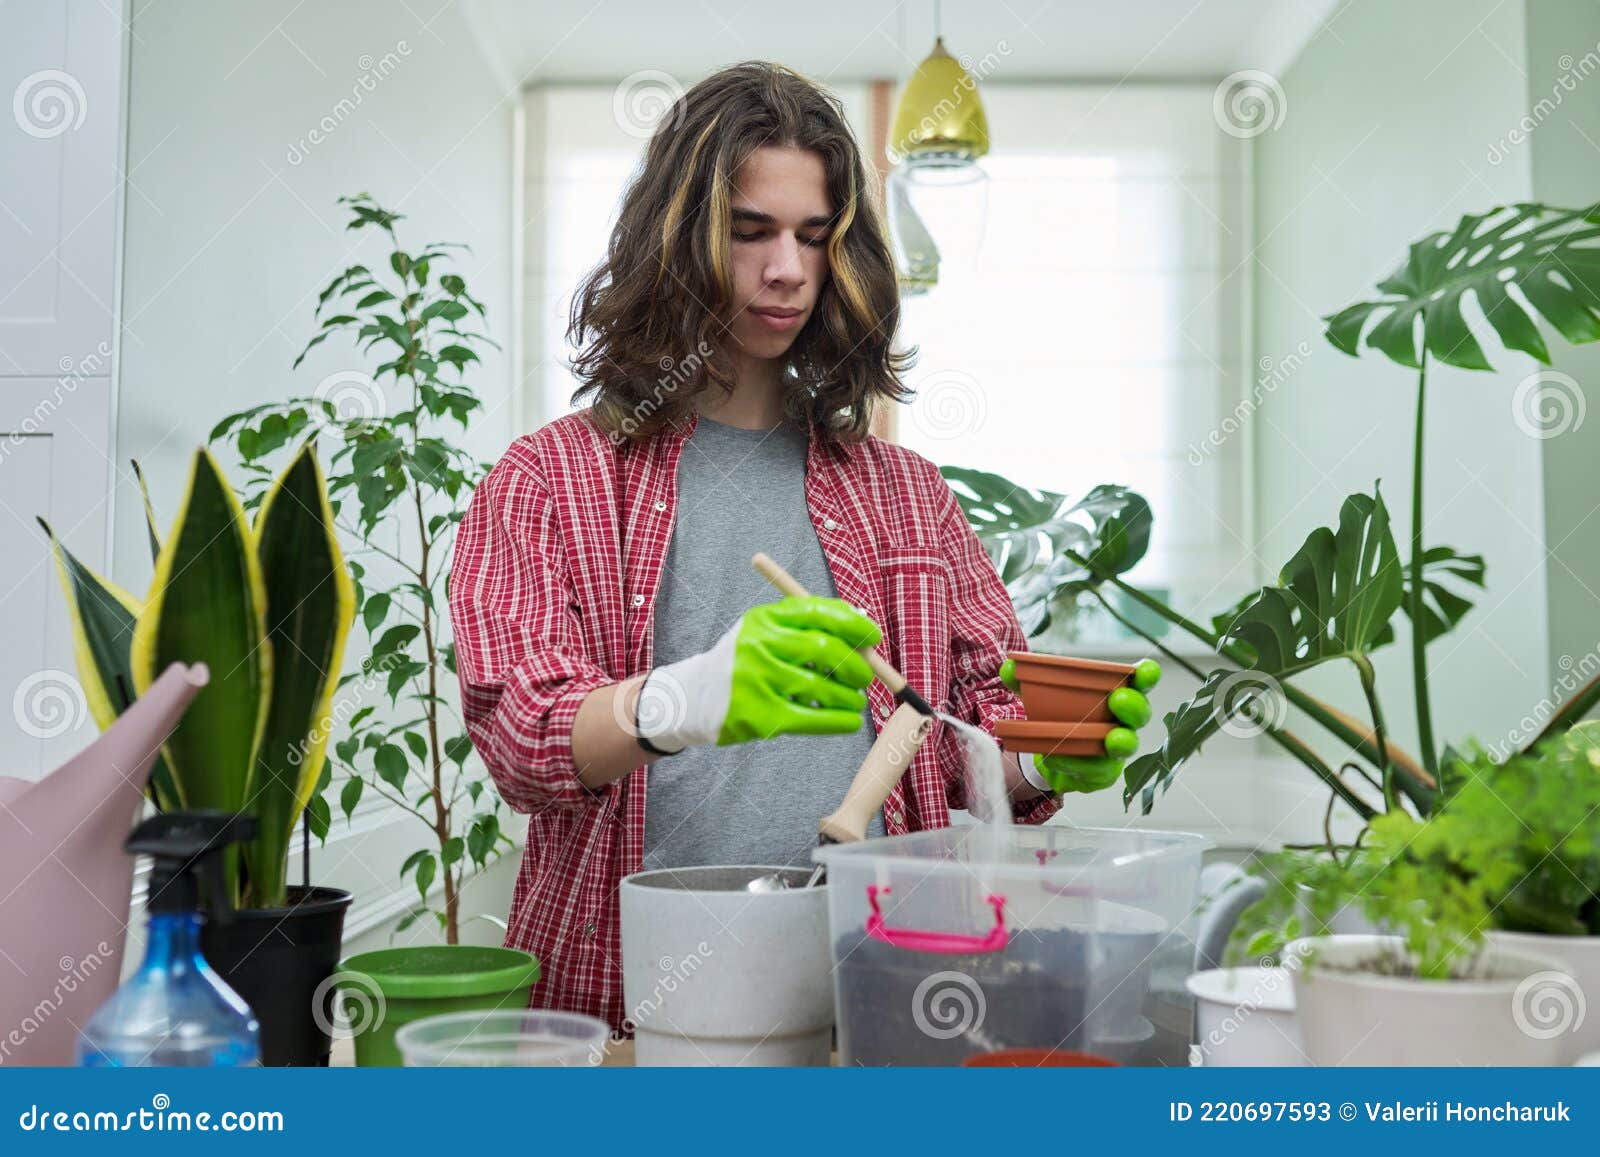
(1245,1016)
(394,986)
(1035,1059)
(1566,1003)
(1027,735)
(503,1039)
(1058,689)
(1350,1013)
(277,960)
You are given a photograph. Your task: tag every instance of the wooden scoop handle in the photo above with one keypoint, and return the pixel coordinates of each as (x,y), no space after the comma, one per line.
(891,753)
(886,762)
(784,581)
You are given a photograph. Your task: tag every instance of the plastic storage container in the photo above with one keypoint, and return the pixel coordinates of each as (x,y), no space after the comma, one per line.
(975,938)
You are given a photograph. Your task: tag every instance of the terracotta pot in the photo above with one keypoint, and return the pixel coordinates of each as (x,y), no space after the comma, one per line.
(1036,1058)
(1057,689)
(1052,738)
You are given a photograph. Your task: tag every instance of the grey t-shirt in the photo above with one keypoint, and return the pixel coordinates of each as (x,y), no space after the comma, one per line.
(739,492)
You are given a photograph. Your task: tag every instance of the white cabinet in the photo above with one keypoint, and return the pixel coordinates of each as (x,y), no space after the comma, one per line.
(62,78)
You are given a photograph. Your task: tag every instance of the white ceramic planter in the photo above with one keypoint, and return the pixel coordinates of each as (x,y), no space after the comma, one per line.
(1565,1004)
(1349,1017)
(1245,1016)
(715,975)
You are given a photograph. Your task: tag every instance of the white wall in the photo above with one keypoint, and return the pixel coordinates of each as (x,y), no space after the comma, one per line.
(232,231)
(1390,116)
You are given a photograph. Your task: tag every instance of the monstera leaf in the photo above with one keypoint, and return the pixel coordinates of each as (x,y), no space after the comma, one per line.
(1552,257)
(1334,600)
(1035,539)
(1443,573)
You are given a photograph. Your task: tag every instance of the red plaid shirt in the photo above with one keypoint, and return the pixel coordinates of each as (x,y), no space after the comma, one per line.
(551,595)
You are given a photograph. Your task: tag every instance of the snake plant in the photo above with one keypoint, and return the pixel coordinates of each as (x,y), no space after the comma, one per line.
(267,607)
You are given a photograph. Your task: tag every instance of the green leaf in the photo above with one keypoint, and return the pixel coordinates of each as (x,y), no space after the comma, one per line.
(427,868)
(309,605)
(207,605)
(412,861)
(372,614)
(451,850)
(1334,600)
(1027,535)
(350,795)
(390,763)
(1444,572)
(1551,256)
(457,748)
(418,745)
(318,818)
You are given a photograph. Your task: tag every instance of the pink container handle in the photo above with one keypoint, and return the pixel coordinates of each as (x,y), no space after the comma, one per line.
(951,943)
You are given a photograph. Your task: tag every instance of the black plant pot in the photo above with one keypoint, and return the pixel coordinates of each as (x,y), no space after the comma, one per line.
(276,958)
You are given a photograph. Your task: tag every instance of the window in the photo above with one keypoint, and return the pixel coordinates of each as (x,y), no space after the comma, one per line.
(1096,335)
(1092,334)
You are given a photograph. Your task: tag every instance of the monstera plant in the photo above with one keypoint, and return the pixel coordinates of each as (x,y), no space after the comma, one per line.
(267,607)
(1336,598)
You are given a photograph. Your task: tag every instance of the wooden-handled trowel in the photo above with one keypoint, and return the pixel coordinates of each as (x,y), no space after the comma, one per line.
(897,743)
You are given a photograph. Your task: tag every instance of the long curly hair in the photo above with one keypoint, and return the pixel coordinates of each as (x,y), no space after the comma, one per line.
(651,318)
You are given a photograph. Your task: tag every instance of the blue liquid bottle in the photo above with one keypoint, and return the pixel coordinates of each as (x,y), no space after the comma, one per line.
(176,1010)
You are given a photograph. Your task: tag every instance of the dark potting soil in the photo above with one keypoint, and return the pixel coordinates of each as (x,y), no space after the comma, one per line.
(1058,989)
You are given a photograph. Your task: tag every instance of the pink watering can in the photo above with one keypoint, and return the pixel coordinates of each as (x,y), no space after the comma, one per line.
(66,884)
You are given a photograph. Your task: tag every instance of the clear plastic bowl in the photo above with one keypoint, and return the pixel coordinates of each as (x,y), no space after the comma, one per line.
(504,1038)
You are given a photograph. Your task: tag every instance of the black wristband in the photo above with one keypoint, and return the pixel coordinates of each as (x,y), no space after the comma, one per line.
(639,735)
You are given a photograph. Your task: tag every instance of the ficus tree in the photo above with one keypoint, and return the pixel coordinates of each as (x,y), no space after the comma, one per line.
(398,486)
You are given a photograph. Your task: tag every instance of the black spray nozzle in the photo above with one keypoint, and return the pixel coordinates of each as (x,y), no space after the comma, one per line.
(185,845)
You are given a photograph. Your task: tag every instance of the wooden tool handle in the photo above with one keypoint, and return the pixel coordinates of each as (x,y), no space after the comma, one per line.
(886,762)
(784,581)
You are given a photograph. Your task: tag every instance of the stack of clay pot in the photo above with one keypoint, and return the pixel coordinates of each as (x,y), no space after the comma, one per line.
(1065,700)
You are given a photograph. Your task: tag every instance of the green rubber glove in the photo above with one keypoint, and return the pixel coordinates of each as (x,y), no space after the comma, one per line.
(1095,772)
(787,667)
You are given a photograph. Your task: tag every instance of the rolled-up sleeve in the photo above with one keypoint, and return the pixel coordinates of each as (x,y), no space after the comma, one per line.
(520,654)
(983,629)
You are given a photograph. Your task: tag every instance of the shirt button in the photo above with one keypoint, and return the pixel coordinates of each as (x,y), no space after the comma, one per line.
(829,524)
(638,600)
(897,817)
(966,662)
(883,713)
(661,504)
(591,928)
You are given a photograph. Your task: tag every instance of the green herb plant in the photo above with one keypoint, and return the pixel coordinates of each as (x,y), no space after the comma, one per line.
(398,487)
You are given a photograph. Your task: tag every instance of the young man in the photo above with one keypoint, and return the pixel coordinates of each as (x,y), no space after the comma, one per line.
(614,645)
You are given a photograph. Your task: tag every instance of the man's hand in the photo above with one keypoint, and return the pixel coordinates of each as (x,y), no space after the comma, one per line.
(1092,773)
(787,667)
